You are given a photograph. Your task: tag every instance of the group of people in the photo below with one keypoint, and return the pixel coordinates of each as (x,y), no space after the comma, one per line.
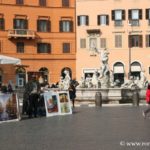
(33,99)
(6,88)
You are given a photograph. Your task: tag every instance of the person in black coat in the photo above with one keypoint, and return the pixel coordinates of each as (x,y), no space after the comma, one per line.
(31,95)
(72,93)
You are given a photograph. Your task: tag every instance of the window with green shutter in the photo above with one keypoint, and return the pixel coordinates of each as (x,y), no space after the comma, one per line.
(43,48)
(65,3)
(43,25)
(2,24)
(66,47)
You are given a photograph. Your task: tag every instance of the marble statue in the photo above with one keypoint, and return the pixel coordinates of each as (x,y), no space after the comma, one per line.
(82,83)
(95,80)
(128,83)
(104,59)
(104,71)
(61,83)
(64,83)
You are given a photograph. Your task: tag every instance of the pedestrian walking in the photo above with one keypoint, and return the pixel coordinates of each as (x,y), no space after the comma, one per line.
(72,93)
(148,101)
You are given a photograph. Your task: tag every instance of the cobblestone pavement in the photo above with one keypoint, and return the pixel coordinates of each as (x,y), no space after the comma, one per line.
(88,128)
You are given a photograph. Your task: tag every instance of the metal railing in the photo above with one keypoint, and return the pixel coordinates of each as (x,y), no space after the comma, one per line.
(21,33)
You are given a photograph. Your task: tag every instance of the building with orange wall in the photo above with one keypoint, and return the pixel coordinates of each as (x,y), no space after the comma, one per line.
(42,34)
(121,26)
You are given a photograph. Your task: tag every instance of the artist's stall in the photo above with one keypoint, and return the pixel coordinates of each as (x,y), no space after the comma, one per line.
(57,103)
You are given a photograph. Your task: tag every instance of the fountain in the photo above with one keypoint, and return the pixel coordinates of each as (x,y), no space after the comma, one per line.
(111,90)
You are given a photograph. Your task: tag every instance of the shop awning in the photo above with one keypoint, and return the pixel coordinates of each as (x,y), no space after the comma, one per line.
(135,68)
(9,60)
(118,69)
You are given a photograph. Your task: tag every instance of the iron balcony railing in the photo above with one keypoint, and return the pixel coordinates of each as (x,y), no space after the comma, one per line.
(18,33)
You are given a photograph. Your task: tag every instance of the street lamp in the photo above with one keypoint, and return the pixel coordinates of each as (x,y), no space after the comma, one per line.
(129,45)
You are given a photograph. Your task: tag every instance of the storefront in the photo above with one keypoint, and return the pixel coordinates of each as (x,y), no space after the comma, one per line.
(118,70)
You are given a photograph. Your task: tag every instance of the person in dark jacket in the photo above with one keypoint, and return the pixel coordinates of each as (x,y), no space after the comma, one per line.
(30,98)
(72,93)
(148,101)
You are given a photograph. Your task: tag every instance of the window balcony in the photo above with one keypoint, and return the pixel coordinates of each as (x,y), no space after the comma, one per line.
(134,22)
(21,33)
(118,23)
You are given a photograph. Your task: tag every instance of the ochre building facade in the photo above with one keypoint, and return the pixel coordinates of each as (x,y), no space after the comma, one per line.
(42,34)
(121,26)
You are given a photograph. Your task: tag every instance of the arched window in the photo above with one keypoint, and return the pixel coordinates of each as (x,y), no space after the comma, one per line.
(68,69)
(20,76)
(44,73)
(135,70)
(118,70)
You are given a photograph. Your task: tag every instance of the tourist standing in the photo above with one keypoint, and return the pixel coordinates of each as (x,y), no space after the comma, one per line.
(72,93)
(31,95)
(148,101)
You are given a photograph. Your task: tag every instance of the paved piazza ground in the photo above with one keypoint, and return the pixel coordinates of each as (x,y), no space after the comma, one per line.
(89,128)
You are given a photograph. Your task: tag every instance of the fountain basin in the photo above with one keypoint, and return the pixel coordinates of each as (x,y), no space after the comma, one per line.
(108,94)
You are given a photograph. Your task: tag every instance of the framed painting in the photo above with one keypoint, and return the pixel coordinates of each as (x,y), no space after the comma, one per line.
(9,108)
(51,103)
(64,103)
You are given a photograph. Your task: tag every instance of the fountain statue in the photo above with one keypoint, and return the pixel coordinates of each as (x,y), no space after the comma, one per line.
(95,81)
(64,83)
(104,71)
(103,80)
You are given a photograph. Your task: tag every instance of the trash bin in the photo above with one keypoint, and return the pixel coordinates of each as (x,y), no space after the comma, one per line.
(98,99)
(135,97)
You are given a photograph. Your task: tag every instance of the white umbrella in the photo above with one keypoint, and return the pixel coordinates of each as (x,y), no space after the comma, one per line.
(9,60)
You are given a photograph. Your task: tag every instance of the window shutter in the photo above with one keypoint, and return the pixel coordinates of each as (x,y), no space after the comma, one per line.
(38,47)
(147,39)
(14,23)
(107,19)
(140,13)
(120,41)
(42,2)
(82,43)
(129,41)
(26,23)
(71,26)
(103,42)
(98,20)
(61,26)
(116,40)
(79,21)
(113,15)
(147,14)
(140,41)
(38,25)
(48,48)
(87,20)
(129,14)
(123,15)
(2,23)
(48,25)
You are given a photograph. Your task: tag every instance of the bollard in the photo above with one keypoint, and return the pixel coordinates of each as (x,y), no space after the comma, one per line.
(135,98)
(98,99)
